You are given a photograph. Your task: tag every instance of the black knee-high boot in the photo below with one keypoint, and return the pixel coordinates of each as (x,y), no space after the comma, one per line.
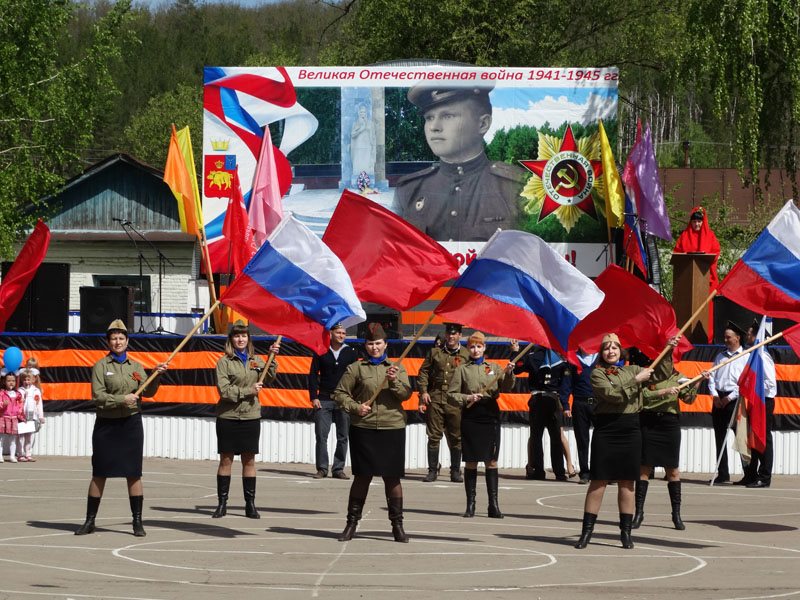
(355,506)
(249,488)
(396,517)
(470,487)
(433,465)
(92,504)
(223,487)
(674,488)
(136,503)
(455,466)
(589,520)
(641,495)
(492,478)
(625,520)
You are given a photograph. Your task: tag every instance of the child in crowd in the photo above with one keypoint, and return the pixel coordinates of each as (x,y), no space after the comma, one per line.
(34,411)
(32,366)
(11,412)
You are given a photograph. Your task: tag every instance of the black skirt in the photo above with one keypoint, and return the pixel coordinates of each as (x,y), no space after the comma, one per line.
(378,452)
(236,436)
(480,440)
(661,439)
(117,447)
(616,447)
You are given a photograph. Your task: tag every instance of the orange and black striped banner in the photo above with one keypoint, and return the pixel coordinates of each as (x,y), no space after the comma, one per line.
(189,386)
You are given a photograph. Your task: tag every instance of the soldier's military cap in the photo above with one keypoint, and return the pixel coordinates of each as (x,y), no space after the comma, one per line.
(426,95)
(452,328)
(735,328)
(117,325)
(374,332)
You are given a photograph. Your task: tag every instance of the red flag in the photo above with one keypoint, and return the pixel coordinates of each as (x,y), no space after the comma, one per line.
(22,271)
(236,229)
(792,337)
(390,261)
(633,310)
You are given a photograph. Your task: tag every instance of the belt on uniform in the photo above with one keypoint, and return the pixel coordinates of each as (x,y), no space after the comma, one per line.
(722,394)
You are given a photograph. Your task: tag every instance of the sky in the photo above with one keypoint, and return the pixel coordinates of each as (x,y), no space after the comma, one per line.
(247,3)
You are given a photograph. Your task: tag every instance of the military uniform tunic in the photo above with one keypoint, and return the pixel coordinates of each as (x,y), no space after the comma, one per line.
(468,201)
(118,434)
(434,378)
(480,423)
(377,439)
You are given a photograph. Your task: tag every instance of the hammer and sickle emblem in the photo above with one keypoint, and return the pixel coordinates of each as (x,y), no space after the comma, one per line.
(568,178)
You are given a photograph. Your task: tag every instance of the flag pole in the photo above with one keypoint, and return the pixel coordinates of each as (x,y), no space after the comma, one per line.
(270,358)
(731,359)
(209,274)
(497,377)
(682,330)
(181,345)
(401,357)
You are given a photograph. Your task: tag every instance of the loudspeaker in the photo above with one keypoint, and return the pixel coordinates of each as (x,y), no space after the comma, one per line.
(388,318)
(45,305)
(726,310)
(101,305)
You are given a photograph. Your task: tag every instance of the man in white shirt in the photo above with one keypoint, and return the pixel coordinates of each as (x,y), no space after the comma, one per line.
(723,385)
(758,474)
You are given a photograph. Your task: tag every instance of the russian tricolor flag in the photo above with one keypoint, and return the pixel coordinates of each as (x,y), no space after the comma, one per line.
(519,287)
(295,286)
(752,389)
(766,279)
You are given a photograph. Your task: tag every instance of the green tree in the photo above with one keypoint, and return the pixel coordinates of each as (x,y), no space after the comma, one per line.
(148,134)
(50,103)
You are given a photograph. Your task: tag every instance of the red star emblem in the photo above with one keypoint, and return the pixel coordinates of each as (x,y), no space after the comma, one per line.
(568,178)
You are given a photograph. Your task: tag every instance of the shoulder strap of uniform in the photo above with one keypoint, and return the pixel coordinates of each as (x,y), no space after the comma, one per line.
(417,174)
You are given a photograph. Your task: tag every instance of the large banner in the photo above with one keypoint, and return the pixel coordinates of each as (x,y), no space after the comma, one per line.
(457,151)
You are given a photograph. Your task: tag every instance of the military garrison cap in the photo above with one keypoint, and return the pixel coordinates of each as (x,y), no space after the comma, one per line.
(425,95)
(374,332)
(117,325)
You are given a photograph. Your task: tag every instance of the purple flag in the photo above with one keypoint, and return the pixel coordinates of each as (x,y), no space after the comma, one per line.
(650,199)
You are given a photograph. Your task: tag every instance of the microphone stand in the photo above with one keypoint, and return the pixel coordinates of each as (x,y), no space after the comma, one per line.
(125,225)
(161,270)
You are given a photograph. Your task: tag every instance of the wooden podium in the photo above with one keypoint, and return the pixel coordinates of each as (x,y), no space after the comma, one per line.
(689,290)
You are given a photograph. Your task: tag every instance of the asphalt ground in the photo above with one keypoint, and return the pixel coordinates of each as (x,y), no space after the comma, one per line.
(739,543)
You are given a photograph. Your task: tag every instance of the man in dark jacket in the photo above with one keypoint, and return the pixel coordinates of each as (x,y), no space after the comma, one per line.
(326,371)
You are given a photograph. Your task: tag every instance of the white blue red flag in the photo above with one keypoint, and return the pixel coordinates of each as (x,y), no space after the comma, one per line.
(752,386)
(766,279)
(519,287)
(295,286)
(633,245)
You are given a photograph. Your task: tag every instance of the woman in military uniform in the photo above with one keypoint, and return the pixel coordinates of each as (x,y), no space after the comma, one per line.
(617,440)
(239,415)
(475,387)
(661,435)
(377,430)
(118,435)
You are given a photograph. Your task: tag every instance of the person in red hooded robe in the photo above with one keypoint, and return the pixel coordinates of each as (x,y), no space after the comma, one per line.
(698,237)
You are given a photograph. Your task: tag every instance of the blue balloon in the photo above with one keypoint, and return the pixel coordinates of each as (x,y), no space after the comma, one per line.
(12,359)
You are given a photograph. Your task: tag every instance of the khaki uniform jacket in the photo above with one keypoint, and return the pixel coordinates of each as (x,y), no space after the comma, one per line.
(358,384)
(437,371)
(669,404)
(472,378)
(112,381)
(616,389)
(235,384)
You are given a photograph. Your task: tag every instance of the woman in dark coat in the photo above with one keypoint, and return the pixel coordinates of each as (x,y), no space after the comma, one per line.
(118,435)
(475,387)
(377,430)
(617,441)
(239,415)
